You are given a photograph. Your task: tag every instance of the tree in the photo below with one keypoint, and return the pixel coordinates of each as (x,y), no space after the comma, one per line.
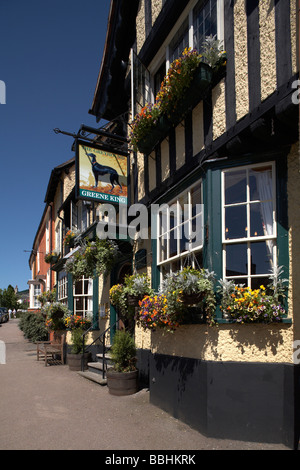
(8,298)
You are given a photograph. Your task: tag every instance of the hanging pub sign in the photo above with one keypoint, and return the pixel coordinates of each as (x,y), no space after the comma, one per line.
(101,175)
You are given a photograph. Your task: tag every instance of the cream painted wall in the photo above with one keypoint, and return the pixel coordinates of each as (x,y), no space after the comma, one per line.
(219,109)
(293,186)
(241,58)
(267,48)
(245,343)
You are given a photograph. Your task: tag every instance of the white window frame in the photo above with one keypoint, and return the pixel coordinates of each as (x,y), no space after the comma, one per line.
(89,297)
(37,290)
(62,288)
(164,53)
(58,241)
(249,239)
(181,256)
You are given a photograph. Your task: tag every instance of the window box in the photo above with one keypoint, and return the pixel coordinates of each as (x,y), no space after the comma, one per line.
(196,91)
(194,94)
(158,133)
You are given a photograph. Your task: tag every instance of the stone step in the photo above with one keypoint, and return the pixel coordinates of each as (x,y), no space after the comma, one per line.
(94,377)
(97,367)
(107,356)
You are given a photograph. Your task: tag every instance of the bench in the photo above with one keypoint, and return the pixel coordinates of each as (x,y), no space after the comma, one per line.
(50,348)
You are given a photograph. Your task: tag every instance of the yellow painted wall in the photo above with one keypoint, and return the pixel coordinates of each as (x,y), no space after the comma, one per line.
(245,343)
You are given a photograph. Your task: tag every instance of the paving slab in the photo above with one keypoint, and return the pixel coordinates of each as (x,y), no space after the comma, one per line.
(53,408)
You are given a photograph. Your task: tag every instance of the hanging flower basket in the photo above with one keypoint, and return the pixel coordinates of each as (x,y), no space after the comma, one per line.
(133,300)
(192,299)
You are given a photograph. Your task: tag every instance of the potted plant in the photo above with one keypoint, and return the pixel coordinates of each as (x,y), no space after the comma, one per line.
(54,313)
(122,379)
(77,355)
(70,238)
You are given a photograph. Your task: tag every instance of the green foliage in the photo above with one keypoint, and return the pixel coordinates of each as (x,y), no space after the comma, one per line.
(78,341)
(187,282)
(93,259)
(212,50)
(123,352)
(55,314)
(47,296)
(33,326)
(137,285)
(8,298)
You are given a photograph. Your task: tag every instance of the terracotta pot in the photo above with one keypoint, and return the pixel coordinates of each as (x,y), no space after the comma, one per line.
(122,383)
(56,335)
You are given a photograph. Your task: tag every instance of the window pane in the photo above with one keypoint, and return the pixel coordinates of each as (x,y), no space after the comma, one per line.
(256,282)
(205,22)
(173,243)
(162,248)
(78,287)
(236,260)
(184,235)
(235,222)
(261,257)
(163,220)
(195,198)
(184,208)
(197,231)
(261,217)
(179,42)
(235,187)
(175,215)
(79,303)
(260,182)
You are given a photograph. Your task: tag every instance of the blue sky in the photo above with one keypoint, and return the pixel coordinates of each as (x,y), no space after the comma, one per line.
(50,55)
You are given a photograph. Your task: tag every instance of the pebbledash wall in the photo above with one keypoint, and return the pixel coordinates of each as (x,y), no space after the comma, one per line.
(231,381)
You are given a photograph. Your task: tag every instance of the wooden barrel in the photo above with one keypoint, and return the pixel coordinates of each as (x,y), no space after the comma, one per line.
(122,383)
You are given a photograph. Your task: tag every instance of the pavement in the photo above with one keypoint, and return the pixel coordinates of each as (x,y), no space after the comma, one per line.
(53,408)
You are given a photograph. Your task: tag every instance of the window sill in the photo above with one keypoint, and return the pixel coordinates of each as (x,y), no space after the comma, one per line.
(223,321)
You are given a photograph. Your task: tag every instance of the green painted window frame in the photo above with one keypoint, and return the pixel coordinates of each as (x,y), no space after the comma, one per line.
(212,199)
(213,216)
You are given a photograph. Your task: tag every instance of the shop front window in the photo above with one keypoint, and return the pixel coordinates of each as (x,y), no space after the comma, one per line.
(249,224)
(180,231)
